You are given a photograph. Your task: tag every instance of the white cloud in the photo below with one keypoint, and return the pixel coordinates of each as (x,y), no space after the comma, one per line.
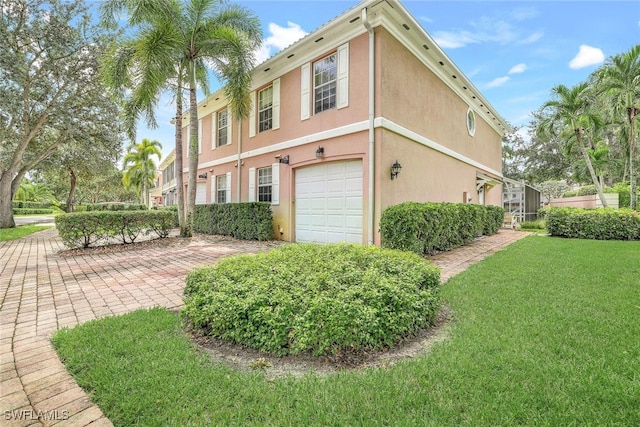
(426,19)
(518,68)
(280,37)
(587,56)
(451,40)
(533,38)
(498,81)
(501,28)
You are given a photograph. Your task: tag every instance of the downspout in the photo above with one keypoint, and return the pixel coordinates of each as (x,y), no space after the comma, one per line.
(239,164)
(372,145)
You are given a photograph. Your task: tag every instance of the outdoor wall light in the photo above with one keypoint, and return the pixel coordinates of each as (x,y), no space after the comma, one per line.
(284,160)
(320,152)
(395,169)
(203,175)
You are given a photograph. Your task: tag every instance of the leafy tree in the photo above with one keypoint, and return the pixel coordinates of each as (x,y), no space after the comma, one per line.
(552,189)
(50,91)
(620,82)
(534,159)
(183,42)
(570,118)
(140,169)
(34,192)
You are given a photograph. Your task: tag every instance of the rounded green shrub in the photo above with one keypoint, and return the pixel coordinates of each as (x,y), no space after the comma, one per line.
(305,298)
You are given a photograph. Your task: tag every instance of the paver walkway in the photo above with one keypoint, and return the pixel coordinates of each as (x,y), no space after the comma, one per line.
(42,291)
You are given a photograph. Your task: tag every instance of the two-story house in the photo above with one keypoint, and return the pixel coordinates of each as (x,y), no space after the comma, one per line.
(363,113)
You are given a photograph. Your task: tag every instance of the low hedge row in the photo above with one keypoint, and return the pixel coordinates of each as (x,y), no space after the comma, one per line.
(20,204)
(318,299)
(83,229)
(31,211)
(116,207)
(249,221)
(598,224)
(426,228)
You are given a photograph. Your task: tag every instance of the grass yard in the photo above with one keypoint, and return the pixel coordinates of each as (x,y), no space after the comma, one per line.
(20,231)
(546,333)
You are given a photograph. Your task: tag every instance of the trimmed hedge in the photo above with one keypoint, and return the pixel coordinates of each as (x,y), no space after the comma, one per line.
(20,204)
(31,211)
(249,221)
(319,299)
(426,228)
(83,229)
(598,224)
(116,207)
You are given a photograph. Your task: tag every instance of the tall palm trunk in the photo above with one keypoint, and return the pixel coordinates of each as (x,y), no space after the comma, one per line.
(632,112)
(178,164)
(193,151)
(579,132)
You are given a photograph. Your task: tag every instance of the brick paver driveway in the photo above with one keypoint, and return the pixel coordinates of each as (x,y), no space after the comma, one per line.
(41,290)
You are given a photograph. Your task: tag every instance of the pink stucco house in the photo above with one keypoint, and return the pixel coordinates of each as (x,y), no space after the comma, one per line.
(334,112)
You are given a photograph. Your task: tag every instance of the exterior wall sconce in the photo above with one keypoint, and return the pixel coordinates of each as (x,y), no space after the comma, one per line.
(284,160)
(320,153)
(395,170)
(203,175)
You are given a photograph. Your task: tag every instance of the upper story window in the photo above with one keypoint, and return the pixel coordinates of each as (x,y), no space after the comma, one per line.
(265,109)
(471,122)
(265,184)
(223,127)
(325,76)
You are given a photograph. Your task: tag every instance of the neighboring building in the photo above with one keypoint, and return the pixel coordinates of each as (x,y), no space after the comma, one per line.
(520,200)
(334,112)
(167,180)
(164,191)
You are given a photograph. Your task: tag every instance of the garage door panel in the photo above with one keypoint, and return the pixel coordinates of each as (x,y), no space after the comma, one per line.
(329,202)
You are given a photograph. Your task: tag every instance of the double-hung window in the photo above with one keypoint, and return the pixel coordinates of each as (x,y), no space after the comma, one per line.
(221,189)
(265,109)
(265,185)
(325,76)
(223,127)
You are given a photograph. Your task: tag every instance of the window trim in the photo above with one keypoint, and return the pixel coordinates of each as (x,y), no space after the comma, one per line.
(265,109)
(220,142)
(329,83)
(259,185)
(471,121)
(223,190)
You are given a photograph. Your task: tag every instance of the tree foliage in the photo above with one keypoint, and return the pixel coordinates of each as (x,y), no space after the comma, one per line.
(176,44)
(585,133)
(50,92)
(140,169)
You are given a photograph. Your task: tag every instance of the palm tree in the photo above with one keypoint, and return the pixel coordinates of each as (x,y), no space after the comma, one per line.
(140,169)
(181,43)
(620,82)
(569,116)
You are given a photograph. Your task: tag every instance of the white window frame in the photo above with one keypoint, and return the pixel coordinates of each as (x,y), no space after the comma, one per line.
(223,115)
(223,188)
(471,122)
(266,109)
(275,184)
(330,84)
(262,182)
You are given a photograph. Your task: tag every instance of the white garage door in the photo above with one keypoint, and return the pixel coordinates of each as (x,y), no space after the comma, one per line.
(201,193)
(328,202)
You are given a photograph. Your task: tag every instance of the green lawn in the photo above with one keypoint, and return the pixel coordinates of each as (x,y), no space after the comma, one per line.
(546,333)
(20,231)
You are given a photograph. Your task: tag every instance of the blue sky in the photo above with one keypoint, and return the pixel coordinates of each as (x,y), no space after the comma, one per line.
(513,51)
